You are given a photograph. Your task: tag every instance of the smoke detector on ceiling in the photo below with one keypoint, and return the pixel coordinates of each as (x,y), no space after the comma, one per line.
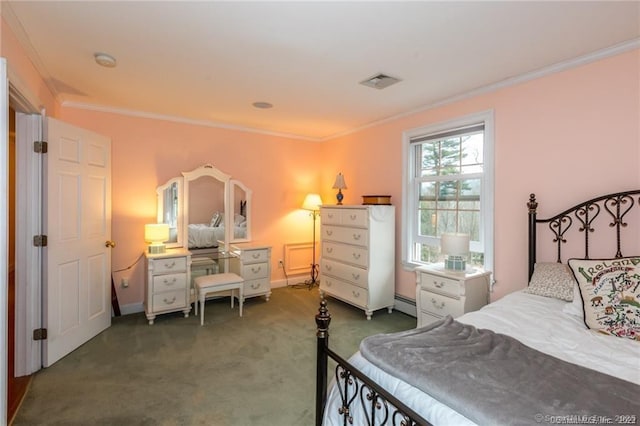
(380,81)
(105,60)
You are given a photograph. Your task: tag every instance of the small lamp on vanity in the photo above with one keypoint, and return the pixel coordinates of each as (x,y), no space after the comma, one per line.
(339,184)
(156,234)
(456,247)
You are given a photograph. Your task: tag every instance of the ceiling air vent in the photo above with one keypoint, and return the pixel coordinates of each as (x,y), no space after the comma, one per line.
(380,81)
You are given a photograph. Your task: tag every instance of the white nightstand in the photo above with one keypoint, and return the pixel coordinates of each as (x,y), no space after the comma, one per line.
(440,292)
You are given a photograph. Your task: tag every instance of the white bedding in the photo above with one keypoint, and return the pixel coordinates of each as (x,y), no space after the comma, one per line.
(538,322)
(202,235)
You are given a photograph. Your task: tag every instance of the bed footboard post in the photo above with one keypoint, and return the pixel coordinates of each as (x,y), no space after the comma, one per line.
(532,205)
(323,318)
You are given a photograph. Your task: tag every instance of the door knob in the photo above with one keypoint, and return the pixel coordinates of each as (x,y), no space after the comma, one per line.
(110,243)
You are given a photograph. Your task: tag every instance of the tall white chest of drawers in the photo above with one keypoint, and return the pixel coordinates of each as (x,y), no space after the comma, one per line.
(167,283)
(357,264)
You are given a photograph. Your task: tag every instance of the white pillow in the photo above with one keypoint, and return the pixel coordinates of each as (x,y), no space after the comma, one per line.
(575,307)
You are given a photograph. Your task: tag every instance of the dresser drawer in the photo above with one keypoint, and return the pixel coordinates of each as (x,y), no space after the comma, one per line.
(254,271)
(254,256)
(357,236)
(355,275)
(441,285)
(342,290)
(346,253)
(169,300)
(346,217)
(253,287)
(440,305)
(169,264)
(169,282)
(426,318)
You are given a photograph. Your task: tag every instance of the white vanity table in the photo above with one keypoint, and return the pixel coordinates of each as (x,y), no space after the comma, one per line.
(209,216)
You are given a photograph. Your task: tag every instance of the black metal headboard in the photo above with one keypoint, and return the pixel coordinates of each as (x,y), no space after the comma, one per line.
(617,205)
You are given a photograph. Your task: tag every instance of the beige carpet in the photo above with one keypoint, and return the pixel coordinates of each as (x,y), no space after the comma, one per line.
(254,370)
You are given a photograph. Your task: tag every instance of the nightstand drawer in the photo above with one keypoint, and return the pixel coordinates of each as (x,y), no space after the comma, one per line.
(357,236)
(169,300)
(170,264)
(425,318)
(169,282)
(441,285)
(440,305)
(357,276)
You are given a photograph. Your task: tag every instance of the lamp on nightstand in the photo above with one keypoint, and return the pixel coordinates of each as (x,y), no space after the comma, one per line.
(156,234)
(456,247)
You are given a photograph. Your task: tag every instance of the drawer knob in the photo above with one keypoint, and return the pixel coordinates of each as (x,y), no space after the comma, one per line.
(256,255)
(329,232)
(355,276)
(329,250)
(170,265)
(255,286)
(328,267)
(357,237)
(438,284)
(170,282)
(356,256)
(355,293)
(437,305)
(256,270)
(352,216)
(169,302)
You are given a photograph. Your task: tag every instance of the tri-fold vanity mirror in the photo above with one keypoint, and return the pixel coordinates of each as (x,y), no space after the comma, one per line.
(205,209)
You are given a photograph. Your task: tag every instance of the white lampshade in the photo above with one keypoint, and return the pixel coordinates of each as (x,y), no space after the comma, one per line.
(156,234)
(454,244)
(339,183)
(312,202)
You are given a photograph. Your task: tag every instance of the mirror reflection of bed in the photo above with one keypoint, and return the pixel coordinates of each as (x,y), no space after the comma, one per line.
(206,211)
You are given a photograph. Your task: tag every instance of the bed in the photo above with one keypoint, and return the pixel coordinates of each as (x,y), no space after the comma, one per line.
(208,235)
(590,350)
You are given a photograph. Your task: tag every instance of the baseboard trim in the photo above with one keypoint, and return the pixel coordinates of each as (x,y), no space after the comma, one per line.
(405,305)
(402,304)
(131,308)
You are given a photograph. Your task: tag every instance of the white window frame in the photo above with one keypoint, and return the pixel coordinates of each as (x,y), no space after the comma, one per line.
(409,198)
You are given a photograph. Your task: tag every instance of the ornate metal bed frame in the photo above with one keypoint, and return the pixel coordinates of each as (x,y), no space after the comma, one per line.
(383,408)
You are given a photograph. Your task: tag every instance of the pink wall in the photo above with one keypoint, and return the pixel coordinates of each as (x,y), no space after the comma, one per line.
(549,134)
(566,137)
(147,153)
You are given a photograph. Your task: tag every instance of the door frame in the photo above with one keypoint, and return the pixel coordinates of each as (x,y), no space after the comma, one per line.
(28,277)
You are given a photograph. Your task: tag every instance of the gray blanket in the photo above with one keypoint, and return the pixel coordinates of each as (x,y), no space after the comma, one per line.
(493,379)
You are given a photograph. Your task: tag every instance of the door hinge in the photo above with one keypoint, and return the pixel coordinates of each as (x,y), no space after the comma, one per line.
(40,334)
(40,147)
(40,240)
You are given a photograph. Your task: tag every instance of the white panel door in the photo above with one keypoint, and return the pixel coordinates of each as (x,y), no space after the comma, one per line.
(77,287)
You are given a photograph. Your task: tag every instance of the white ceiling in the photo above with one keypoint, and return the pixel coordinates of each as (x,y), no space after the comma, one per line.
(208,61)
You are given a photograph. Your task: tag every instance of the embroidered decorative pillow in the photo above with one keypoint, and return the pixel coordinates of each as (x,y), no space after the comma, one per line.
(552,280)
(610,292)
